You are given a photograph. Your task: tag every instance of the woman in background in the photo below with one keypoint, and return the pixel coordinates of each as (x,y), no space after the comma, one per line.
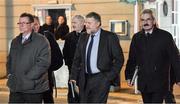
(62,28)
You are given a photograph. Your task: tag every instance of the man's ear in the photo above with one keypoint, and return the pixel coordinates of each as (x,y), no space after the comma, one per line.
(98,24)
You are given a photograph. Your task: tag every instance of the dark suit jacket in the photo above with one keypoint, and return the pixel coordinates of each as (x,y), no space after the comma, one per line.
(154,54)
(109,62)
(61,31)
(56,57)
(71,41)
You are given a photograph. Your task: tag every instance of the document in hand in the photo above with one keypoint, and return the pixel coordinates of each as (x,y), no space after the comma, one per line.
(74,89)
(135,75)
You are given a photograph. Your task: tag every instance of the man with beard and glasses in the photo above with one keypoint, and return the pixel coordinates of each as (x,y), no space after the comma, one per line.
(97,61)
(154,52)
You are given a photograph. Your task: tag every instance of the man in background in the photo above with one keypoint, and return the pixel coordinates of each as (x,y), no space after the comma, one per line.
(70,45)
(48,25)
(56,61)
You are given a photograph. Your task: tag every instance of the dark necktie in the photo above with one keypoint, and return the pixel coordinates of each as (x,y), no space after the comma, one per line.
(78,34)
(147,34)
(89,55)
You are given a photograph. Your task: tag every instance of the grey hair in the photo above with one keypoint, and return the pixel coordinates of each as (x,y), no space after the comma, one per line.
(148,11)
(79,17)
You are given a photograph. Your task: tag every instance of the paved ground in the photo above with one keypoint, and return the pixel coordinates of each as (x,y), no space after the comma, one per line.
(124,96)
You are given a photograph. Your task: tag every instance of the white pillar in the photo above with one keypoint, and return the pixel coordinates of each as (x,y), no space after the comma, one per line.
(178,26)
(136,29)
(136,17)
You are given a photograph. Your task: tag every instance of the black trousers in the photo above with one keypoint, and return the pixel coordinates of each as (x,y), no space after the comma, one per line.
(19,97)
(152,97)
(48,96)
(96,89)
(169,98)
(70,98)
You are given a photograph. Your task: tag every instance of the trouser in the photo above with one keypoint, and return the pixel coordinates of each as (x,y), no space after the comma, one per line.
(152,97)
(48,96)
(19,97)
(70,98)
(96,89)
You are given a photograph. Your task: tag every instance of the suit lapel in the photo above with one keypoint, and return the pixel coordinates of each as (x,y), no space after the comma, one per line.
(84,46)
(102,42)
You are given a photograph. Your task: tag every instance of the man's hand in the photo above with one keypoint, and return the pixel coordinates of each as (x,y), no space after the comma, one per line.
(72,81)
(129,83)
(8,75)
(76,87)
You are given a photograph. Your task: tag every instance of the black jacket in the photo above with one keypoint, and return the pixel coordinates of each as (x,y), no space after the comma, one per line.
(69,49)
(109,60)
(56,56)
(61,31)
(46,27)
(154,54)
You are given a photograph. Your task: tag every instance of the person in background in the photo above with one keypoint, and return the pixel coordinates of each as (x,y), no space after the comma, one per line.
(48,25)
(56,61)
(71,41)
(62,28)
(97,61)
(28,63)
(153,50)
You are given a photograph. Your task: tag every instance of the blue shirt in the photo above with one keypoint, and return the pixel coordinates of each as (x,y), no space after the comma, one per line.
(94,52)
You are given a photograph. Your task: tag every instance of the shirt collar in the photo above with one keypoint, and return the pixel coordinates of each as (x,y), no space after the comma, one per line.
(98,32)
(150,32)
(26,36)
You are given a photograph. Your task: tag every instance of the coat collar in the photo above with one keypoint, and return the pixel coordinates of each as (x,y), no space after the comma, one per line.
(28,40)
(102,42)
(142,32)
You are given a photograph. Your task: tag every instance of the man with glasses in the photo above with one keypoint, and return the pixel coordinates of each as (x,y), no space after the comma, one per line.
(154,52)
(97,61)
(27,64)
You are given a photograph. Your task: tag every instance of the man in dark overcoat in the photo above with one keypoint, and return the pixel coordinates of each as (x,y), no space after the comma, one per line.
(153,50)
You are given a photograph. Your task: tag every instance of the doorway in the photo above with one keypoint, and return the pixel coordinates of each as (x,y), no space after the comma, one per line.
(55,13)
(54,10)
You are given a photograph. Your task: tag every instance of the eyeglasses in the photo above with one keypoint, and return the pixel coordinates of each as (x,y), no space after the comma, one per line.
(23,23)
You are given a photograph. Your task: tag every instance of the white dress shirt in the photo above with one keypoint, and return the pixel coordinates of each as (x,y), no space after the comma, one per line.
(94,52)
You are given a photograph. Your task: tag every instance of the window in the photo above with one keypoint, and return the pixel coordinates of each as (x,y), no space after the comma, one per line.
(120,27)
(176,21)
